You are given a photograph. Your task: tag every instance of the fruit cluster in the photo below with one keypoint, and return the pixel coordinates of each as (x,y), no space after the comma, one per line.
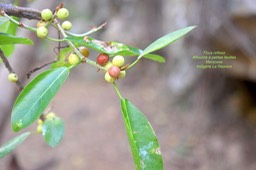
(73,58)
(40,122)
(47,16)
(114,68)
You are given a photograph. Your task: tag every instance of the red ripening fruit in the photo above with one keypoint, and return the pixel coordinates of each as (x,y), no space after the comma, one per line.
(114,71)
(102,59)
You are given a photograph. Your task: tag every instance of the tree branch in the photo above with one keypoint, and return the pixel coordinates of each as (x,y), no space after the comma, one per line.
(20,12)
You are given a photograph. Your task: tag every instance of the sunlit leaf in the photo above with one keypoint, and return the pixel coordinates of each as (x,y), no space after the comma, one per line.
(36,96)
(12,144)
(143,142)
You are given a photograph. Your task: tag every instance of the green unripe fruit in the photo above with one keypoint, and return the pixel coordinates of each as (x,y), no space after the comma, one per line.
(84,51)
(73,59)
(122,74)
(114,71)
(66,25)
(12,77)
(102,59)
(108,65)
(42,32)
(108,78)
(40,122)
(41,24)
(39,129)
(46,14)
(50,115)
(62,13)
(118,61)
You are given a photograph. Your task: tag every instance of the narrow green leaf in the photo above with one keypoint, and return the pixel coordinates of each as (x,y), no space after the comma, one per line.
(12,144)
(166,40)
(6,39)
(143,142)
(155,57)
(112,48)
(53,130)
(9,28)
(62,58)
(36,96)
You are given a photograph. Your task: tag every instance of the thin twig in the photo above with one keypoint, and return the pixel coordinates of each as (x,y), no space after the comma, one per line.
(9,68)
(38,68)
(93,30)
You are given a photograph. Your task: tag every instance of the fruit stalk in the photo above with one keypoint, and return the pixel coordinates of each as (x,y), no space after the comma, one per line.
(117,91)
(18,23)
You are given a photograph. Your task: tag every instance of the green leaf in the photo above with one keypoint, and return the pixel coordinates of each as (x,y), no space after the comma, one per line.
(3,20)
(62,58)
(36,96)
(9,28)
(166,40)
(12,144)
(155,57)
(112,48)
(143,142)
(6,39)
(53,130)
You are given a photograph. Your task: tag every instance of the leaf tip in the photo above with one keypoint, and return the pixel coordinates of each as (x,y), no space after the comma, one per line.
(16,126)
(193,27)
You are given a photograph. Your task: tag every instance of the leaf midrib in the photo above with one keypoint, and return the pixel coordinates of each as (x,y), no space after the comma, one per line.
(45,92)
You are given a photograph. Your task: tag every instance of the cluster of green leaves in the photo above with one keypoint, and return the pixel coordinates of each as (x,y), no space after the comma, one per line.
(38,93)
(8,38)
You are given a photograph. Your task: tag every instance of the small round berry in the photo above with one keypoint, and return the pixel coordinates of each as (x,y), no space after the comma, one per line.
(66,25)
(102,59)
(114,71)
(40,122)
(108,65)
(108,78)
(46,14)
(118,61)
(122,74)
(50,115)
(84,51)
(42,32)
(41,24)
(62,13)
(73,59)
(12,77)
(39,129)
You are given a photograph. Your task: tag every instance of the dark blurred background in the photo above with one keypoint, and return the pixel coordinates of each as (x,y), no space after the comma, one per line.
(204,119)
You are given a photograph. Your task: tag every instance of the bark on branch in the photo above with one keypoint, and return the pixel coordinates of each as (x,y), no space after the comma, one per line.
(20,12)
